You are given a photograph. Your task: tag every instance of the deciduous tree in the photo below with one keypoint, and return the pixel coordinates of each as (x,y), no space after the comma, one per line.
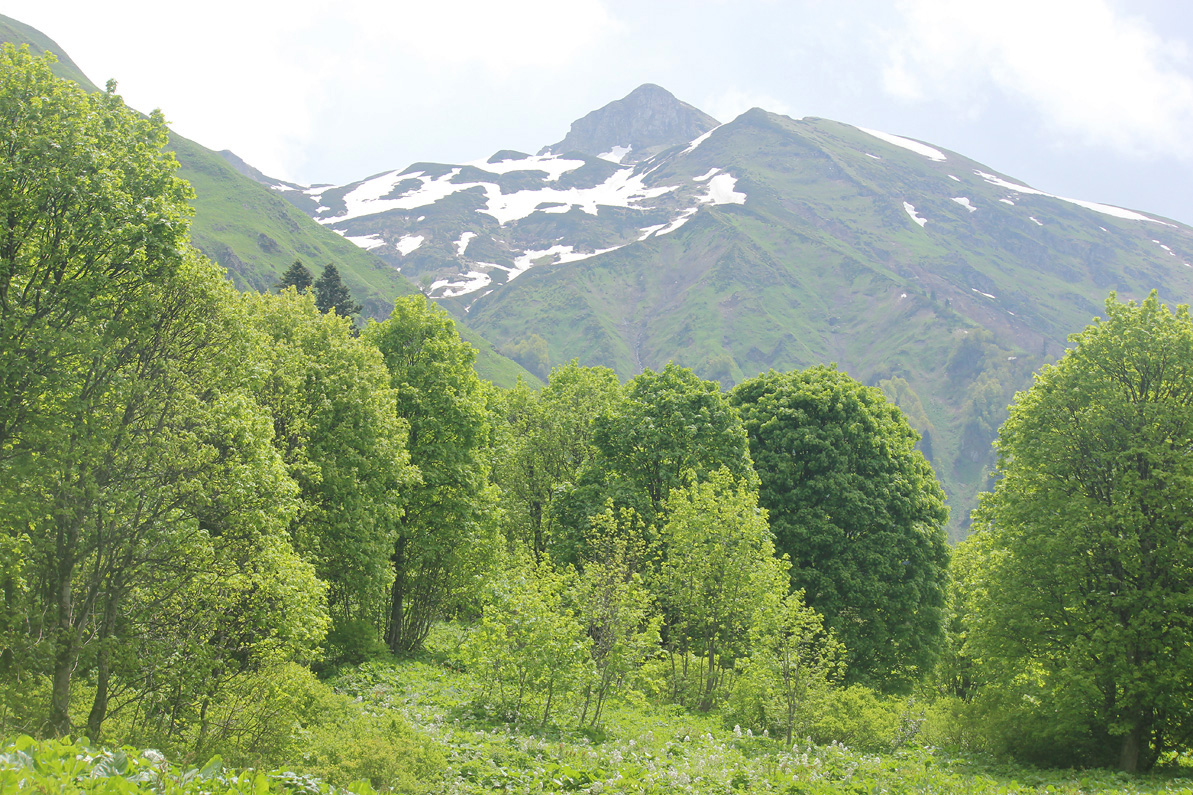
(860,513)
(1079,607)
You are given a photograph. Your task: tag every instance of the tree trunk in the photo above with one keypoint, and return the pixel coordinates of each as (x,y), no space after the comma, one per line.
(1128,758)
(393,631)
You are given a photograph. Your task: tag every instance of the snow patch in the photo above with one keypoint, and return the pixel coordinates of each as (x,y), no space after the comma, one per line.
(1117,212)
(700,139)
(409,243)
(554,165)
(559,255)
(616,154)
(1038,223)
(621,189)
(472,281)
(979,292)
(876,157)
(954,179)
(910,208)
(367,242)
(462,243)
(707,175)
(721,191)
(964,202)
(907,143)
(1007,201)
(682,219)
(1166,248)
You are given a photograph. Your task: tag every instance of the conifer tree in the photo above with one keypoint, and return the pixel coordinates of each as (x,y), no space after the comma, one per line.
(331,293)
(296,276)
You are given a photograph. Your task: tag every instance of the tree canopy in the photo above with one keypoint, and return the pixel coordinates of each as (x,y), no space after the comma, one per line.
(1078,611)
(858,510)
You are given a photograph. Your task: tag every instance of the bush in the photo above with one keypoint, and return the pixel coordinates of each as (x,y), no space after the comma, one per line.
(862,719)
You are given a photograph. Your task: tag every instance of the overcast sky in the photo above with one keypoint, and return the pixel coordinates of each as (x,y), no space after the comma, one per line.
(1090,99)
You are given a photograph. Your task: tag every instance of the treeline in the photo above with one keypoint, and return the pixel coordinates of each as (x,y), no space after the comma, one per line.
(207,495)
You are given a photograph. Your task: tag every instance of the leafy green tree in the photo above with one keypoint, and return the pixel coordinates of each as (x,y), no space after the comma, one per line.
(447,531)
(1078,607)
(792,663)
(336,425)
(530,652)
(296,276)
(135,464)
(331,294)
(545,439)
(860,513)
(720,566)
(669,429)
(615,607)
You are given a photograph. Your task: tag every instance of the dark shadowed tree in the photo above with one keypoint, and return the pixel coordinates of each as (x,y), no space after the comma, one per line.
(332,294)
(296,276)
(859,511)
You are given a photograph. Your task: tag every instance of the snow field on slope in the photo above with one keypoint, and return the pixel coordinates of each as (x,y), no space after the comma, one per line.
(907,143)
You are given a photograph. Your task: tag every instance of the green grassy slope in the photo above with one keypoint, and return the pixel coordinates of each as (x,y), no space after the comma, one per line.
(823,263)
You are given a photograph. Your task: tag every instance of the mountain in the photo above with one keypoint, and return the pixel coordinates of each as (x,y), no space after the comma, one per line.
(249,229)
(643,123)
(768,242)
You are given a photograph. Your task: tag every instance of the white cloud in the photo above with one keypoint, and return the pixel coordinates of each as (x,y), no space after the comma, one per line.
(1092,73)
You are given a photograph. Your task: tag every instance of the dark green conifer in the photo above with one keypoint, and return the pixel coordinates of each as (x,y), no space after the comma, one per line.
(331,293)
(296,276)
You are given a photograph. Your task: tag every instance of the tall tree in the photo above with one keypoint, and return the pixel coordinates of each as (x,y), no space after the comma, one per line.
(331,294)
(134,460)
(447,528)
(720,567)
(669,428)
(1079,611)
(545,438)
(859,511)
(336,425)
(296,276)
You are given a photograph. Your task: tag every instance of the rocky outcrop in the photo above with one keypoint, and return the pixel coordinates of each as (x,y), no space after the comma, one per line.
(648,120)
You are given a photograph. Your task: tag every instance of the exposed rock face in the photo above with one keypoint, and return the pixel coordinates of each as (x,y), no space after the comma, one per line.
(648,120)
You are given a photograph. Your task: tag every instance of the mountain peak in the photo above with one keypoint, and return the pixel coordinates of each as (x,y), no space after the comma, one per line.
(644,122)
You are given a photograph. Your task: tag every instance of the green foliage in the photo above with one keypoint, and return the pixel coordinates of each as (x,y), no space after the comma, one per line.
(446,535)
(332,295)
(719,566)
(615,607)
(530,653)
(296,276)
(668,428)
(791,666)
(860,513)
(336,426)
(1077,602)
(544,439)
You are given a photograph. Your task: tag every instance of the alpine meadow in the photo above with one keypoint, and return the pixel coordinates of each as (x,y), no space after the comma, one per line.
(678,457)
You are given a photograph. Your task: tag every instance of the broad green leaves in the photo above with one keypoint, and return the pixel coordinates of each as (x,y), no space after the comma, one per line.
(1082,566)
(859,512)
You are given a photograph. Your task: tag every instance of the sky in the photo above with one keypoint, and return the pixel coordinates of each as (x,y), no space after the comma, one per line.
(1088,99)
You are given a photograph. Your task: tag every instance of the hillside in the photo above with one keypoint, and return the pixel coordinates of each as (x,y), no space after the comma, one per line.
(767,242)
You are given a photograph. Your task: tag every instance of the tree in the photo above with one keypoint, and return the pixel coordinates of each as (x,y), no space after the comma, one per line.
(135,464)
(720,566)
(792,663)
(859,512)
(335,423)
(530,651)
(669,429)
(544,441)
(1079,614)
(298,277)
(446,531)
(331,294)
